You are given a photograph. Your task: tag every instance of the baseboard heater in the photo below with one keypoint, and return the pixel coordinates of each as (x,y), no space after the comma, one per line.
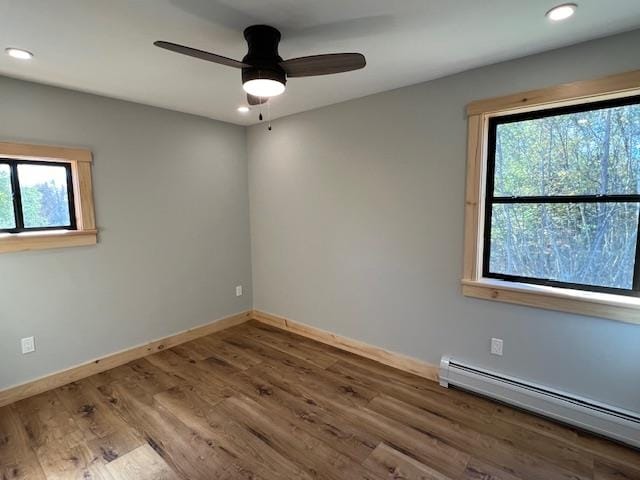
(596,417)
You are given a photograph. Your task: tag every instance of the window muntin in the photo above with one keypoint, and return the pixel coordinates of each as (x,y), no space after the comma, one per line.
(41,196)
(562,197)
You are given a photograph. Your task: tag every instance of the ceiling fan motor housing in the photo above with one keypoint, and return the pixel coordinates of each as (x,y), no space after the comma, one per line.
(263,55)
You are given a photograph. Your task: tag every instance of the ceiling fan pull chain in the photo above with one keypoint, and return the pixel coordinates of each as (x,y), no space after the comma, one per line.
(269,115)
(260,116)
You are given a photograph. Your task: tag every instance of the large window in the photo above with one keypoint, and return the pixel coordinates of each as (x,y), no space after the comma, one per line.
(563,197)
(35,196)
(552,203)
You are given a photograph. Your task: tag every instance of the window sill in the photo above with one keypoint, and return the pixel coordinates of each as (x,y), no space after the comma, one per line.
(20,242)
(604,305)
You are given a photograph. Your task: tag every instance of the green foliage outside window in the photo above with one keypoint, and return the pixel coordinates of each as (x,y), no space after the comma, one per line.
(588,153)
(45,203)
(7,219)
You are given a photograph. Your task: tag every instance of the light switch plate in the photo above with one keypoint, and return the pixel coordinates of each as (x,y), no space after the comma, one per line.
(239,291)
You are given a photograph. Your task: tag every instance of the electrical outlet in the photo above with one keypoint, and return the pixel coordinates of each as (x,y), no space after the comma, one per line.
(496,346)
(28,345)
(239,291)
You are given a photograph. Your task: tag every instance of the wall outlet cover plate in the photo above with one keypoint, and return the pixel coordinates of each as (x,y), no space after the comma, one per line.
(28,345)
(496,346)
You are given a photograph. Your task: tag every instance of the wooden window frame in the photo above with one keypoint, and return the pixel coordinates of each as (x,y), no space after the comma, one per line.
(605,305)
(80,161)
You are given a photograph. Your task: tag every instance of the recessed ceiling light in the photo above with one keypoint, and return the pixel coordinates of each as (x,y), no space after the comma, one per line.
(561,12)
(19,53)
(243,109)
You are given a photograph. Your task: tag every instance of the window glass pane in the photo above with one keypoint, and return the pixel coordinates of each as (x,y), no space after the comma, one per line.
(587,153)
(7,217)
(43,190)
(583,243)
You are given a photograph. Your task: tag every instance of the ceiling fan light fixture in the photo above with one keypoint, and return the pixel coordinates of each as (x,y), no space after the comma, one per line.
(263,87)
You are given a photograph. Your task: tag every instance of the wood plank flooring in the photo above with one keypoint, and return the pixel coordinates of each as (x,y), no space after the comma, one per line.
(255,402)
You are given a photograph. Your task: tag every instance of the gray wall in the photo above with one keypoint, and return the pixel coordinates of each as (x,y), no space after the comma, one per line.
(172,208)
(357,227)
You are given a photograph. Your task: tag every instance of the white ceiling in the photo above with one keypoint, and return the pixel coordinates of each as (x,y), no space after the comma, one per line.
(105,46)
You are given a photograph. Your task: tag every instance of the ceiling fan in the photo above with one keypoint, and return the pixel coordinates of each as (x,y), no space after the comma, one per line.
(264,72)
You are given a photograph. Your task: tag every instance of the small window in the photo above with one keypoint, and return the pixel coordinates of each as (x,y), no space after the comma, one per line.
(46,197)
(36,196)
(562,201)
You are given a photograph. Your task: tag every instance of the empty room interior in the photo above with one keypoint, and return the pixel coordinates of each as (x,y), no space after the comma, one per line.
(338,239)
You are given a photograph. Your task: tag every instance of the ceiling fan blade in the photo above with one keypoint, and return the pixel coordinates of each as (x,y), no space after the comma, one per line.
(201,54)
(253,100)
(323,64)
